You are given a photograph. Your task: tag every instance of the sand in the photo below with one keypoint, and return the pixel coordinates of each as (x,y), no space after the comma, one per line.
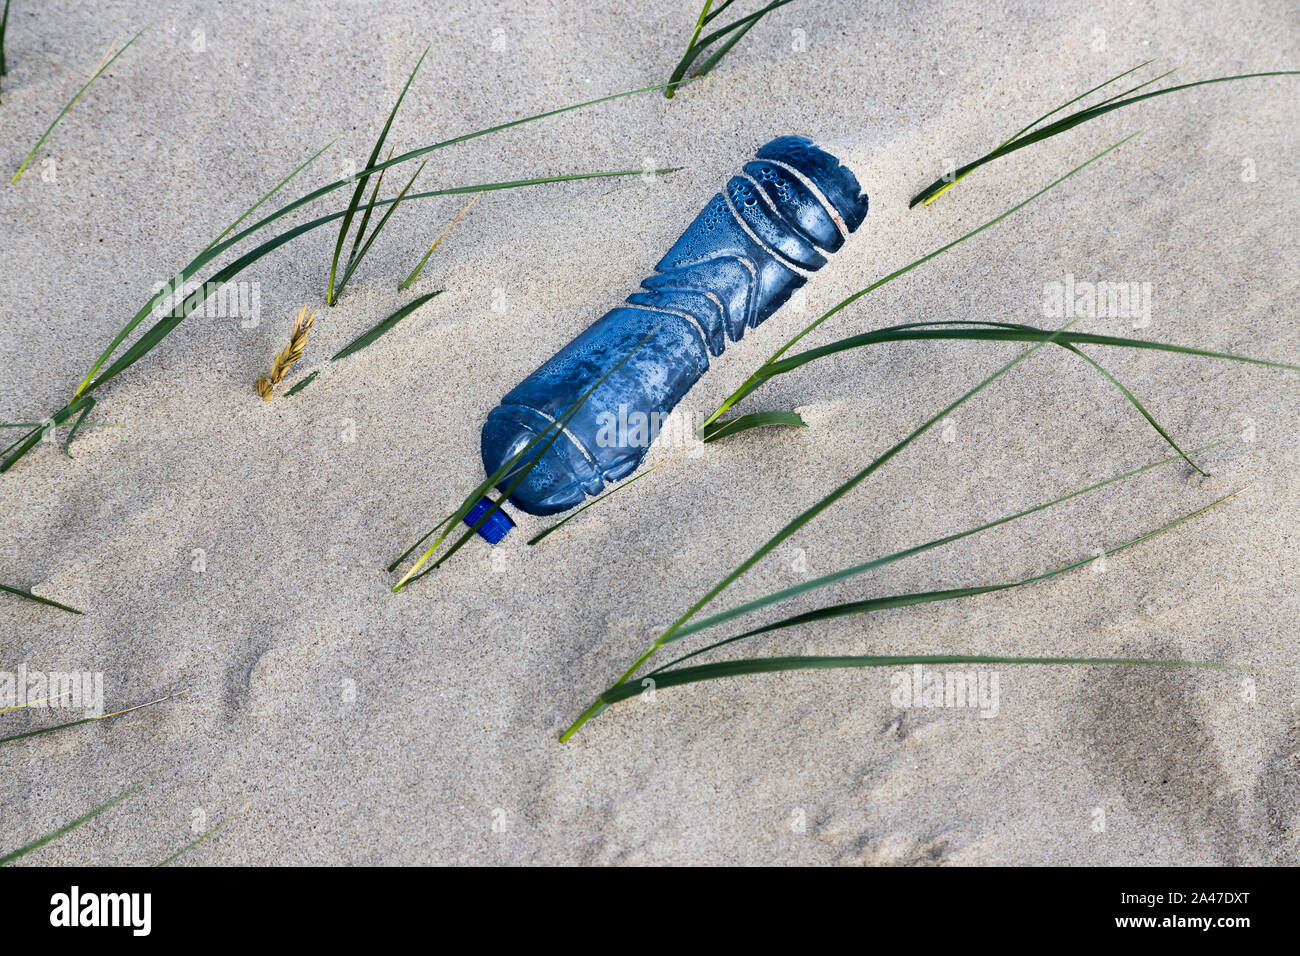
(360,726)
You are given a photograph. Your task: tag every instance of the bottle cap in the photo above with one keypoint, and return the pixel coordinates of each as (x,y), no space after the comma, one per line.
(495,528)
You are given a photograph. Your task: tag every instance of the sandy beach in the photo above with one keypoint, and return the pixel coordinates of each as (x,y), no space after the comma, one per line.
(236,549)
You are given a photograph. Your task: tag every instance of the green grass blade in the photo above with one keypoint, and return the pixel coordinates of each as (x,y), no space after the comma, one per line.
(573,514)
(710,14)
(365,176)
(1006,331)
(546,438)
(411,550)
(368,337)
(1050,113)
(1142,410)
(752,382)
(193,843)
(71,103)
(1071,121)
(86,720)
(805,517)
(1014,333)
(734,426)
(834,577)
(38,599)
(72,432)
(25,444)
(768,665)
(929,597)
(69,827)
(361,253)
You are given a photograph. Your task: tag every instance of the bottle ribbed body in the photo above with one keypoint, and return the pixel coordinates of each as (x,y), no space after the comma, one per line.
(741,258)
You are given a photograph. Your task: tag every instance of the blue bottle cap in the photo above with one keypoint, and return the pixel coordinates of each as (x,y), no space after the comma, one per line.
(495,528)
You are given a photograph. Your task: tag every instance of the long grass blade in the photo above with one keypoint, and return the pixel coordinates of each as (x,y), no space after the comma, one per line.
(834,577)
(704,18)
(734,426)
(1050,113)
(87,720)
(767,665)
(1005,331)
(38,599)
(370,208)
(723,49)
(929,597)
(71,103)
(1070,122)
(752,382)
(1012,333)
(361,253)
(367,338)
(69,827)
(697,47)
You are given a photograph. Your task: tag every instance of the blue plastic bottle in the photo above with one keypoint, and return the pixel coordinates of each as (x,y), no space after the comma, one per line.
(735,265)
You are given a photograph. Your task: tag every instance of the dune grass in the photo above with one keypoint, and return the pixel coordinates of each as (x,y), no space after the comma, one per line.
(71,103)
(355,256)
(715,431)
(689,623)
(79,821)
(725,38)
(365,339)
(38,599)
(929,597)
(1029,135)
(98,375)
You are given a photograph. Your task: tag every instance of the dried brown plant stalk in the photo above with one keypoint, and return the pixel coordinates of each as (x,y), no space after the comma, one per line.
(290,354)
